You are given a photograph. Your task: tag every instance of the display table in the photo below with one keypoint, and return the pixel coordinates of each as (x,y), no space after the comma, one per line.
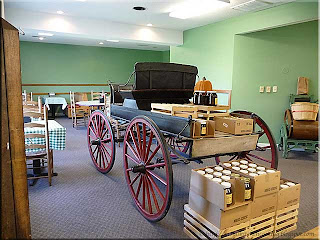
(53,102)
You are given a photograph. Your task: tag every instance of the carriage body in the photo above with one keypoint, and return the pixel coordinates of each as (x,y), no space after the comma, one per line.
(153,142)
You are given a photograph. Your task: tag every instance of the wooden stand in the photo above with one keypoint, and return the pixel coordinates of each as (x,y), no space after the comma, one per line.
(15,217)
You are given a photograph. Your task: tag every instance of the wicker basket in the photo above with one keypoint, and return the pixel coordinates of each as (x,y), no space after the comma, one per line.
(305,111)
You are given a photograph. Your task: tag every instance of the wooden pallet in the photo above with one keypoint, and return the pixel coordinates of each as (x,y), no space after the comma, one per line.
(262,227)
(286,220)
(209,112)
(195,226)
(179,110)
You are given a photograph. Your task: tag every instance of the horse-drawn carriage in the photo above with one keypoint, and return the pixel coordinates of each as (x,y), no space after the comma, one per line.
(153,142)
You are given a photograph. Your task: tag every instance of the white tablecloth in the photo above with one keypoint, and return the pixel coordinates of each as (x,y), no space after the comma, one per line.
(90,103)
(56,100)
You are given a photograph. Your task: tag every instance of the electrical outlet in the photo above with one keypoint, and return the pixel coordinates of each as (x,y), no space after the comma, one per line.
(275,89)
(268,89)
(261,89)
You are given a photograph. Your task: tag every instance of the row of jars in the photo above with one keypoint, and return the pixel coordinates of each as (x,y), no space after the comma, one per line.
(208,98)
(287,185)
(245,167)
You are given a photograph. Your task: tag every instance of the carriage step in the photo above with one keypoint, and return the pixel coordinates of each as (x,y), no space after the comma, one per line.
(195,226)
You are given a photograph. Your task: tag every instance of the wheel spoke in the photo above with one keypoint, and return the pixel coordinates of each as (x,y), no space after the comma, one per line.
(155,165)
(135,179)
(148,196)
(260,158)
(134,153)
(144,135)
(154,153)
(139,138)
(132,159)
(139,187)
(106,154)
(156,187)
(148,148)
(143,192)
(157,177)
(153,195)
(134,141)
(93,131)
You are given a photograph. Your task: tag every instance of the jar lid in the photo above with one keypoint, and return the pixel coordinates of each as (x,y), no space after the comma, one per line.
(284,186)
(252,165)
(217,174)
(225,178)
(226,184)
(226,172)
(253,174)
(209,176)
(261,172)
(209,170)
(227,164)
(243,166)
(261,168)
(252,170)
(290,184)
(244,161)
(270,171)
(236,168)
(201,172)
(218,168)
(235,163)
(244,171)
(218,180)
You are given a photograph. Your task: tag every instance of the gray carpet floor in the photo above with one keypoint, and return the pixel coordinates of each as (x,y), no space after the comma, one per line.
(83,203)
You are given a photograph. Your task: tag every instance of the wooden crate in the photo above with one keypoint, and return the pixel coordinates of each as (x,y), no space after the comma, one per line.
(209,112)
(195,226)
(179,110)
(286,220)
(262,227)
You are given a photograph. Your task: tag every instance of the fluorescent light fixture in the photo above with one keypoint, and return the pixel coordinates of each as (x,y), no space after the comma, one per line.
(194,8)
(81,0)
(113,41)
(149,25)
(100,43)
(41,38)
(60,12)
(45,34)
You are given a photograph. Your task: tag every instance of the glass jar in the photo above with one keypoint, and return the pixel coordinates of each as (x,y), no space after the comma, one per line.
(227,164)
(247,189)
(228,192)
(201,172)
(218,168)
(243,161)
(209,170)
(226,172)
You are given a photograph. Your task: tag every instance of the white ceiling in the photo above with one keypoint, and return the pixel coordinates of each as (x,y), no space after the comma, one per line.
(119,11)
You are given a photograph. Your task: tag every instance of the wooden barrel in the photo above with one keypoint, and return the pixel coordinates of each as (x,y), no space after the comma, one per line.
(303,130)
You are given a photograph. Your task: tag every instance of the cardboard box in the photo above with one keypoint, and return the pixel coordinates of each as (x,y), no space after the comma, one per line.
(234,125)
(214,192)
(288,196)
(262,184)
(264,205)
(196,129)
(221,219)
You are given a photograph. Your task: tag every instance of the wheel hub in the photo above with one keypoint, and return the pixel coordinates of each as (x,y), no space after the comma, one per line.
(139,168)
(96,142)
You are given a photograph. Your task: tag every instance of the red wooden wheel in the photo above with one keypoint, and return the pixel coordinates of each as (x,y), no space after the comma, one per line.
(180,146)
(148,168)
(265,154)
(101,141)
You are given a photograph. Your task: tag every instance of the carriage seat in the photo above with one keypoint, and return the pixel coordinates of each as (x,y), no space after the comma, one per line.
(161,83)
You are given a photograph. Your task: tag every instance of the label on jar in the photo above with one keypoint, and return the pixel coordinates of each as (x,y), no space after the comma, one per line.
(203,129)
(229,198)
(247,194)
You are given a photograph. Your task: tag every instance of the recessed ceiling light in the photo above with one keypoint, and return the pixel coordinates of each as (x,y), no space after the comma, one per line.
(100,43)
(149,25)
(45,34)
(60,12)
(41,38)
(138,8)
(113,41)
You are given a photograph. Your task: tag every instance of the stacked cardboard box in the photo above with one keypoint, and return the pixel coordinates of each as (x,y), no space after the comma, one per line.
(269,212)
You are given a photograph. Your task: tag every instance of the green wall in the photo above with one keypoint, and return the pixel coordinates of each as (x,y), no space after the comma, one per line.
(211,47)
(274,57)
(60,63)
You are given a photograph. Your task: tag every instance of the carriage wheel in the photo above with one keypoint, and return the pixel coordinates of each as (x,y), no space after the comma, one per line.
(265,154)
(101,141)
(148,168)
(180,146)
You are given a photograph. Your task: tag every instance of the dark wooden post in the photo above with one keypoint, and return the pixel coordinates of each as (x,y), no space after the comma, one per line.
(15,216)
